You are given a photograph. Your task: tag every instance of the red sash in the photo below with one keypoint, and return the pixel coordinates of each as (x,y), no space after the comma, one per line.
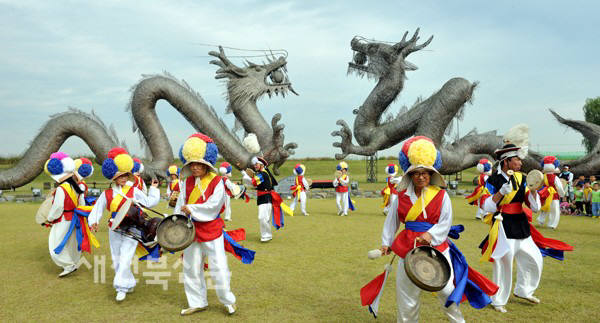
(211,230)
(405,240)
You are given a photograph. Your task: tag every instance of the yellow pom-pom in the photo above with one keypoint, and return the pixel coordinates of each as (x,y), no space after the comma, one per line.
(46,167)
(343,165)
(78,163)
(124,163)
(194,149)
(173,170)
(422,152)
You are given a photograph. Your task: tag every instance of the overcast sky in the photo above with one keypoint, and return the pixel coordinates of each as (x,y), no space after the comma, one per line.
(528,57)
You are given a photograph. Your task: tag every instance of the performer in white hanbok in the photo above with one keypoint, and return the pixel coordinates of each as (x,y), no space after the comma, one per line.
(202,198)
(551,193)
(172,184)
(299,189)
(484,167)
(64,248)
(389,192)
(118,167)
(225,171)
(341,183)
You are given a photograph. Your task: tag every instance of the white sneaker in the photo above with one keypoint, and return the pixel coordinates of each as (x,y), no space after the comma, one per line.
(265,239)
(230,309)
(500,309)
(192,310)
(120,296)
(306,214)
(67,271)
(531,299)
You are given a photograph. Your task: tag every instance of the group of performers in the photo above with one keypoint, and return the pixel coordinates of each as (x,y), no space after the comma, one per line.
(417,199)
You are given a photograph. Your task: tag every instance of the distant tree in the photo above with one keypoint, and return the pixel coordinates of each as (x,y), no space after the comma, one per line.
(591,111)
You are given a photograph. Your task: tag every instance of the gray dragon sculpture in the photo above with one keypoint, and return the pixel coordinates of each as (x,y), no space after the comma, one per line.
(245,85)
(386,63)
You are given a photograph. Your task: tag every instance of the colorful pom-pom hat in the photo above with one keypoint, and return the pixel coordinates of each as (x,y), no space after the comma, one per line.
(484,166)
(342,165)
(391,169)
(299,169)
(138,166)
(59,166)
(420,152)
(198,148)
(550,164)
(117,163)
(83,168)
(225,169)
(173,170)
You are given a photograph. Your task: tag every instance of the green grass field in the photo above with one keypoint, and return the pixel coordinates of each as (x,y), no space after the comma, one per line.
(312,271)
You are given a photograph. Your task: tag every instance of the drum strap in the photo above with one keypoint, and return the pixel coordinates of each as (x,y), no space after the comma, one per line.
(118,198)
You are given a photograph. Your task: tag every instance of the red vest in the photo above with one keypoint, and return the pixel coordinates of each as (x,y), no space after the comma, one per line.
(211,230)
(174,188)
(340,188)
(405,240)
(551,182)
(392,186)
(68,206)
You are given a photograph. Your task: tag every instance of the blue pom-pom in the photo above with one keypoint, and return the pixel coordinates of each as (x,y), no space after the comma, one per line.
(403,161)
(55,166)
(299,170)
(229,169)
(542,164)
(181,155)
(211,153)
(338,167)
(109,168)
(136,167)
(85,170)
(438,161)
(487,167)
(557,163)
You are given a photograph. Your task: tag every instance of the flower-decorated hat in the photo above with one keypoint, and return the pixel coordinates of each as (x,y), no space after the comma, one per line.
(420,152)
(138,166)
(550,164)
(59,166)
(173,170)
(484,166)
(117,163)
(83,168)
(299,169)
(391,169)
(198,148)
(225,169)
(342,165)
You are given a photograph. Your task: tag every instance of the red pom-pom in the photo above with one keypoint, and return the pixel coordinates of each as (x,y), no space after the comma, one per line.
(483,161)
(549,159)
(137,160)
(202,136)
(85,161)
(116,151)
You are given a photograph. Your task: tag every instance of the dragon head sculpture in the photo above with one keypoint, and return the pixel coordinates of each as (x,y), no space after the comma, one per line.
(250,82)
(376,59)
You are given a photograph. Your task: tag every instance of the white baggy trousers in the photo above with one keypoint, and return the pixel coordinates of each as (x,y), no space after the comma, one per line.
(302,197)
(122,250)
(407,296)
(529,270)
(69,257)
(342,198)
(265,211)
(193,272)
(553,216)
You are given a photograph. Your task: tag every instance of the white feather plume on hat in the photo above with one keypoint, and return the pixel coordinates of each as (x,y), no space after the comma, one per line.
(518,136)
(251,144)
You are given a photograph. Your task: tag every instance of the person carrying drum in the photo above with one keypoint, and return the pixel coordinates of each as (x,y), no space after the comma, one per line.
(225,171)
(118,167)
(138,169)
(299,188)
(173,184)
(389,192)
(269,202)
(551,193)
(426,210)
(342,196)
(64,246)
(484,166)
(512,237)
(202,197)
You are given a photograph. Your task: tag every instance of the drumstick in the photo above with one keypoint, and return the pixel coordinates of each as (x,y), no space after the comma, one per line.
(374,254)
(142,206)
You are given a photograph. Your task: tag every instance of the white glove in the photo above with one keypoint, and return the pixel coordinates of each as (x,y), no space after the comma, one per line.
(498,217)
(506,188)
